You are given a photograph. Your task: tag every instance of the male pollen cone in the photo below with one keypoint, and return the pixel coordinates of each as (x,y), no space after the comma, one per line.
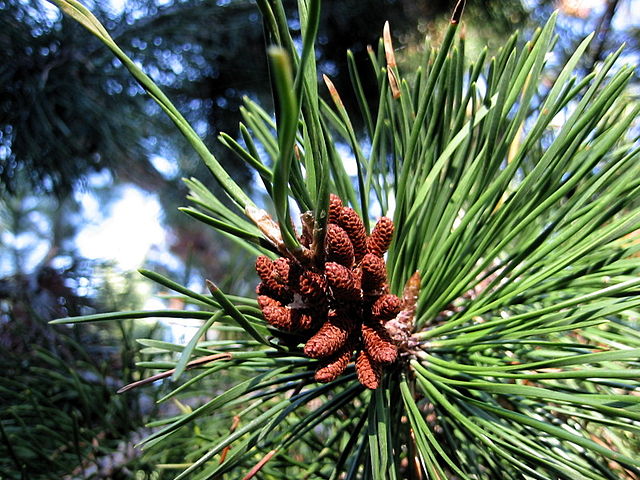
(339,247)
(333,367)
(312,287)
(368,370)
(378,343)
(386,307)
(380,238)
(374,272)
(283,271)
(342,281)
(335,209)
(274,313)
(266,269)
(352,224)
(331,337)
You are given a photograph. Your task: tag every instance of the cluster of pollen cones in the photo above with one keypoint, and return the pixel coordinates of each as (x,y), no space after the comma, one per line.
(340,306)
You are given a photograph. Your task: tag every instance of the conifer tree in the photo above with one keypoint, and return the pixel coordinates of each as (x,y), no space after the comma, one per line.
(496,339)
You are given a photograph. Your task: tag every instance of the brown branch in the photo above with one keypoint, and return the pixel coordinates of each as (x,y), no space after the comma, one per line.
(603,30)
(234,425)
(258,466)
(168,373)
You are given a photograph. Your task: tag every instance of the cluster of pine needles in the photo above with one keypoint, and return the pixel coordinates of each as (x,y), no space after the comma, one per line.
(520,328)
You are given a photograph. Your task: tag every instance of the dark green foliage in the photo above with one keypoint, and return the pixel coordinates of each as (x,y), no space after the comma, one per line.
(68,110)
(52,134)
(59,413)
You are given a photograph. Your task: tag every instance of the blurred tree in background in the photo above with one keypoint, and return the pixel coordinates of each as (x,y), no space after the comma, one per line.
(205,70)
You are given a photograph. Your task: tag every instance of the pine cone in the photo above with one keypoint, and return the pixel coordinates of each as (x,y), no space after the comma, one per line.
(335,209)
(380,238)
(369,371)
(312,287)
(374,273)
(266,269)
(352,224)
(275,313)
(342,282)
(338,246)
(284,272)
(334,366)
(331,337)
(378,344)
(386,307)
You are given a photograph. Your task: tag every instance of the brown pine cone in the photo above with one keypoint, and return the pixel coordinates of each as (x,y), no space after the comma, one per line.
(266,269)
(351,223)
(377,343)
(369,371)
(285,272)
(275,313)
(386,307)
(342,282)
(338,246)
(312,287)
(335,208)
(380,239)
(374,273)
(334,366)
(331,337)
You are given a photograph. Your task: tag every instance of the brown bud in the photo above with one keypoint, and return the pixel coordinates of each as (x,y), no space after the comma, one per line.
(342,282)
(285,272)
(369,371)
(338,246)
(331,337)
(306,320)
(307,229)
(386,307)
(267,272)
(312,287)
(332,368)
(265,301)
(264,267)
(262,289)
(377,343)
(335,208)
(275,313)
(351,223)
(380,238)
(374,272)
